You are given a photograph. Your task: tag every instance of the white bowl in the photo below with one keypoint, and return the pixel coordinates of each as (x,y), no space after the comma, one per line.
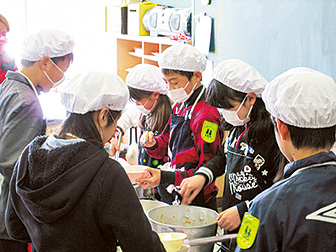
(123,162)
(172,241)
(135,172)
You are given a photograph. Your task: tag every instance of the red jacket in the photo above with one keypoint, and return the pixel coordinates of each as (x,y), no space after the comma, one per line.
(202,151)
(6,63)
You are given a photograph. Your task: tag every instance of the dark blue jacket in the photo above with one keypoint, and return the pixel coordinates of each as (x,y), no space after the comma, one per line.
(299,212)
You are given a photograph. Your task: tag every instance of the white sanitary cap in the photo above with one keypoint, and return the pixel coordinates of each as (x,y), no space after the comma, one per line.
(146,77)
(50,43)
(182,57)
(240,76)
(303,98)
(93,91)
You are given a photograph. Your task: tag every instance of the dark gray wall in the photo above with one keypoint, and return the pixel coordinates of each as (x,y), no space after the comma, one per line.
(274,35)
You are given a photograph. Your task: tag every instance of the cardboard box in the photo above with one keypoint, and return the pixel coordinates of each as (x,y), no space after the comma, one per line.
(116,19)
(135,13)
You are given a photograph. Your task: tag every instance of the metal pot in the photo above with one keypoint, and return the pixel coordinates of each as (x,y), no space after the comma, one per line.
(150,204)
(196,222)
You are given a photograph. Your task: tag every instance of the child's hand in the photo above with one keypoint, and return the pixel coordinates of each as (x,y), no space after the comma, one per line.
(147,139)
(190,188)
(151,180)
(229,219)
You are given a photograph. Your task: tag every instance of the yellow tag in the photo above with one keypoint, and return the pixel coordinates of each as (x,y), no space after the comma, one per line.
(248,231)
(209,131)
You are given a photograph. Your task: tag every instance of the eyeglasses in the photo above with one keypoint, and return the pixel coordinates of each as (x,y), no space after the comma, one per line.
(117,130)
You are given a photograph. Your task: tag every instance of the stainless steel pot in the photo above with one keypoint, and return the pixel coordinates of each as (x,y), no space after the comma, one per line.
(150,204)
(196,222)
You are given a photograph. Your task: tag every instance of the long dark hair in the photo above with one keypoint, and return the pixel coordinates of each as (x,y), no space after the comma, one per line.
(83,126)
(159,116)
(219,95)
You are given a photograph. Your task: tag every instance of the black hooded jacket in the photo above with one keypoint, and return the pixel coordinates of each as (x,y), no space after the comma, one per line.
(75,198)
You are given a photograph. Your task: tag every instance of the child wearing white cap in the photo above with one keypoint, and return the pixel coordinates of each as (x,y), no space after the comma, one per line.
(66,194)
(148,91)
(250,156)
(153,108)
(191,137)
(298,213)
(46,55)
(150,94)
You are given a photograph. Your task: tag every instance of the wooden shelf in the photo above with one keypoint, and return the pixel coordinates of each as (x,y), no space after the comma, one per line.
(151,57)
(136,54)
(128,58)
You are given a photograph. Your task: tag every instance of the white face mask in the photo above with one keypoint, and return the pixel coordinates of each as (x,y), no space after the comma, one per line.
(232,116)
(143,110)
(180,95)
(55,84)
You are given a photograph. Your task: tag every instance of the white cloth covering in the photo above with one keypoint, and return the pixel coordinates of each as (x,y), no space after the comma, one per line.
(302,97)
(146,77)
(240,76)
(50,43)
(93,91)
(183,57)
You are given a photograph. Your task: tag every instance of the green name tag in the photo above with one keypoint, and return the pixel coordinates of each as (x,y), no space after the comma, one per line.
(209,131)
(248,231)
